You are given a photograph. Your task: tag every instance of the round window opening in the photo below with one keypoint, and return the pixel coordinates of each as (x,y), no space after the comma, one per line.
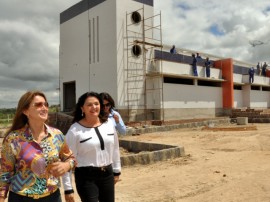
(136,50)
(136,17)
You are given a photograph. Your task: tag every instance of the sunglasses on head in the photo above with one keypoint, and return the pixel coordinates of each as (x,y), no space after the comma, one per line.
(41,104)
(107,105)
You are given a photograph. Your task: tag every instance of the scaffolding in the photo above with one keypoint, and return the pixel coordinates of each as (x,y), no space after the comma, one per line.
(144,79)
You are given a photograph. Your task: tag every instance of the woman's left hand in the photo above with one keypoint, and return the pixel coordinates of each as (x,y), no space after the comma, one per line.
(69,197)
(58,169)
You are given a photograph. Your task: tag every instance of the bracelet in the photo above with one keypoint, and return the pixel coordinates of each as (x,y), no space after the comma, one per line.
(71,163)
(71,191)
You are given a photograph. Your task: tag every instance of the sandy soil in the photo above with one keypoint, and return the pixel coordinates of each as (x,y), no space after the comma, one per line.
(223,166)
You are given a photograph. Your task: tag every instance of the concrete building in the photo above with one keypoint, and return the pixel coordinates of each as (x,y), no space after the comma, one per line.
(116,46)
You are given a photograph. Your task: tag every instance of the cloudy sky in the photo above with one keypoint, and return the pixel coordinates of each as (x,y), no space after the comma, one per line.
(29,36)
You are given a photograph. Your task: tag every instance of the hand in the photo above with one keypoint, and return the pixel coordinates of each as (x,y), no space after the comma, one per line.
(69,197)
(58,169)
(116,179)
(116,118)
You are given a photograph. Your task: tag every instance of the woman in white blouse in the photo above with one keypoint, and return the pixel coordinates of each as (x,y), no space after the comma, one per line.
(93,139)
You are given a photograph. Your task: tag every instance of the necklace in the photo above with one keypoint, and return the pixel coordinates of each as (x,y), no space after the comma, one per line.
(38,137)
(91,124)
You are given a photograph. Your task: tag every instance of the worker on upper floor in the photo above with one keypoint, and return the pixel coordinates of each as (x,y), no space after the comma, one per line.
(207,65)
(251,72)
(264,67)
(173,50)
(258,69)
(194,65)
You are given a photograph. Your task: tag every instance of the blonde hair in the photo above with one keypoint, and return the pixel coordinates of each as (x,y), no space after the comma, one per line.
(20,119)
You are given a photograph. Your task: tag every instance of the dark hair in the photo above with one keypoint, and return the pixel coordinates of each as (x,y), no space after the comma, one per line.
(78,111)
(20,119)
(106,96)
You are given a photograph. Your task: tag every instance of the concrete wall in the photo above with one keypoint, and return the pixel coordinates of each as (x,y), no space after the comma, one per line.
(259,80)
(74,54)
(259,99)
(87,52)
(191,96)
(238,99)
(248,97)
(238,78)
(185,69)
(191,101)
(251,98)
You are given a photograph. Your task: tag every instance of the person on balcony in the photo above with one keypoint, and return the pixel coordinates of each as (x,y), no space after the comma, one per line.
(251,72)
(264,67)
(198,56)
(173,50)
(207,67)
(194,65)
(200,60)
(258,69)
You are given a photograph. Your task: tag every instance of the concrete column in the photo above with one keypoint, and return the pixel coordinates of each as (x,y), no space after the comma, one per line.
(246,95)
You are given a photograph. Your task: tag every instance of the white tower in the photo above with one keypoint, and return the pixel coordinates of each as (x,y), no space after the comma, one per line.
(107,46)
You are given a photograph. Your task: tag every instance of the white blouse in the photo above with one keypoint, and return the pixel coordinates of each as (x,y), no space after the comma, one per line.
(98,146)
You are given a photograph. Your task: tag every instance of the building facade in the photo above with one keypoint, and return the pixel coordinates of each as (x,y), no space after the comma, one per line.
(116,46)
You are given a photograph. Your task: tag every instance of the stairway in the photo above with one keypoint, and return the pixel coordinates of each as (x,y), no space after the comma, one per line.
(254,115)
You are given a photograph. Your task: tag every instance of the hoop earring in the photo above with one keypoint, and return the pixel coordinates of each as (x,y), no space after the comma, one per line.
(82,114)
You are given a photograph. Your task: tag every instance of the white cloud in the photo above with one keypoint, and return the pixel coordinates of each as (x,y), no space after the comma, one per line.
(29,35)
(187,25)
(29,51)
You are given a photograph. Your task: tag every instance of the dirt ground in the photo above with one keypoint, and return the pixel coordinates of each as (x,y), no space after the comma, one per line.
(219,166)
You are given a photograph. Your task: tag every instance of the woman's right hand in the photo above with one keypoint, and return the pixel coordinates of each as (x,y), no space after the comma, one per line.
(116,118)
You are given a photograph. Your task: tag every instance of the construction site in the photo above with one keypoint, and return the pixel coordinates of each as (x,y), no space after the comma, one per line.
(146,81)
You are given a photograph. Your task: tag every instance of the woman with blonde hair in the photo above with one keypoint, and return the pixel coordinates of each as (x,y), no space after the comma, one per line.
(34,155)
